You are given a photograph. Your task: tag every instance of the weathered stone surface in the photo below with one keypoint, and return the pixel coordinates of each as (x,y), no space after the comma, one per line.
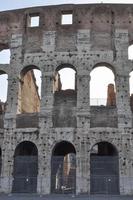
(99,36)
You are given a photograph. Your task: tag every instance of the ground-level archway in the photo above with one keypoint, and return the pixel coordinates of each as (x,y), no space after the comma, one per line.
(25,168)
(63,168)
(104,169)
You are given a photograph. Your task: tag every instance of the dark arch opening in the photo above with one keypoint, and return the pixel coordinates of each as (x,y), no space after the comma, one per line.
(26,149)
(63,148)
(29,94)
(25,168)
(63,168)
(104,169)
(104,149)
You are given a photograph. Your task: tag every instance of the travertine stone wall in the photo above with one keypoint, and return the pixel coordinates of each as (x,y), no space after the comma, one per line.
(99,36)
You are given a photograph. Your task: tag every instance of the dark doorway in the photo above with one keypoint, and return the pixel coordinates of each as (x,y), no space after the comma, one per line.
(104,169)
(25,168)
(63,168)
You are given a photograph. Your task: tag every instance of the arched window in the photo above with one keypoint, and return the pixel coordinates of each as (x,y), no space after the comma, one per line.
(65,78)
(65,96)
(131,82)
(4,59)
(3,90)
(104,169)
(5,56)
(102,86)
(25,168)
(29,90)
(131,89)
(130,52)
(63,168)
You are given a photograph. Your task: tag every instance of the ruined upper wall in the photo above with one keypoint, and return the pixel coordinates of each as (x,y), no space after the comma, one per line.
(99,20)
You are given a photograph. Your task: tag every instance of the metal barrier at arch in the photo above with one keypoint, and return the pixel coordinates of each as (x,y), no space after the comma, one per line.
(104,169)
(25,168)
(63,168)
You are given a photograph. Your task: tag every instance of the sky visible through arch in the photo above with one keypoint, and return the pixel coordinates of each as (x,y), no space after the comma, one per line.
(16,4)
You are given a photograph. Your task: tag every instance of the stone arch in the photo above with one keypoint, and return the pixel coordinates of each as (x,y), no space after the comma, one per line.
(63,168)
(27,68)
(25,168)
(106,64)
(65,65)
(107,140)
(106,95)
(29,94)
(104,169)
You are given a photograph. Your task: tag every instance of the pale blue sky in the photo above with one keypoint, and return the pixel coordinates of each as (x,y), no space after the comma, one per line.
(13,4)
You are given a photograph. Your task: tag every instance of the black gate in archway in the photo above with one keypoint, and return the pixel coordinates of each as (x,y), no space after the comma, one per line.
(63,168)
(104,168)
(25,169)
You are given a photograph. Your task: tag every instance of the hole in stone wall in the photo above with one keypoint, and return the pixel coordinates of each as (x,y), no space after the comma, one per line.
(29,90)
(102,87)
(66,19)
(33,20)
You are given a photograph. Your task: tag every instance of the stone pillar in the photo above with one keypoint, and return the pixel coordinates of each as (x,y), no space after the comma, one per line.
(83,99)
(47,100)
(45,121)
(12,98)
(125,165)
(47,91)
(83,124)
(10,115)
(13,81)
(44,170)
(7,160)
(82,170)
(123,101)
